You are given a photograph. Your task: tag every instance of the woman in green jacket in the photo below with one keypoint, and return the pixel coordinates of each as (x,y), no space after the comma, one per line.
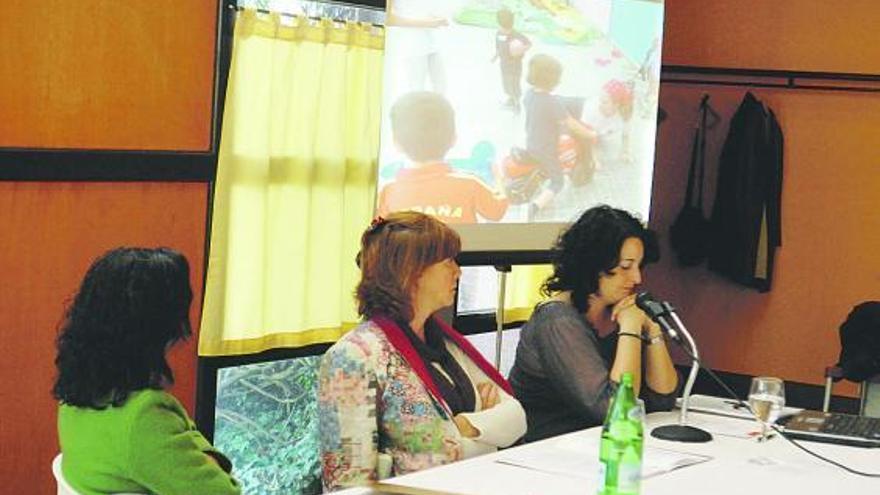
(119,430)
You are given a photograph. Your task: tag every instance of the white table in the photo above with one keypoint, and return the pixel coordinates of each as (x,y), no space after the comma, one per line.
(737,465)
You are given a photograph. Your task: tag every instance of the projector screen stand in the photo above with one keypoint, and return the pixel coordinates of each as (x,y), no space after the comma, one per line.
(502,270)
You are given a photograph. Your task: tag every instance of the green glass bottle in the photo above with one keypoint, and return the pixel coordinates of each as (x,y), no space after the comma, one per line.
(620,451)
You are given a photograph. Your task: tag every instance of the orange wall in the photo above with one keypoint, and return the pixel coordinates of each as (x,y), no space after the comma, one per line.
(831,227)
(105,74)
(52,232)
(93,74)
(829,260)
(811,35)
(137,75)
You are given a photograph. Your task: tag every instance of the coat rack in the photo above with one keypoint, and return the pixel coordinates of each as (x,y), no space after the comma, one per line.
(767,78)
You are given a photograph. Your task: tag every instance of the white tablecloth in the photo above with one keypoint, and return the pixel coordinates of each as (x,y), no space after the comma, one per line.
(737,465)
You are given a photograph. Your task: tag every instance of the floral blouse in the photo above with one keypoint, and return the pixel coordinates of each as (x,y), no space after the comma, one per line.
(374,402)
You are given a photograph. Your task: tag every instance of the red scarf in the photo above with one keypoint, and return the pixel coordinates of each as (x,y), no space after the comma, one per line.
(400,342)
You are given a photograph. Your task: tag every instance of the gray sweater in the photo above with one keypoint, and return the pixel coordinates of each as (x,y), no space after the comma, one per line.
(560,374)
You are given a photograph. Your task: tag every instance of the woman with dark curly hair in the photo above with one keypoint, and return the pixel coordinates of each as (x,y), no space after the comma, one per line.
(576,345)
(404,391)
(119,431)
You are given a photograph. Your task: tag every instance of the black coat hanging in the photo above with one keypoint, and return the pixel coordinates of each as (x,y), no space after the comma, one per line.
(747,214)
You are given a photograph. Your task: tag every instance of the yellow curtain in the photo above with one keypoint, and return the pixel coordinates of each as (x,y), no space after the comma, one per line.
(295,183)
(523,291)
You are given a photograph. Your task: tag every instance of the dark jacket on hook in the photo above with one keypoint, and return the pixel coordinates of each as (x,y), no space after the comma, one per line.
(746,219)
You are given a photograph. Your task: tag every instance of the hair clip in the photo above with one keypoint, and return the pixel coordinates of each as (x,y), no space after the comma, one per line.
(377,224)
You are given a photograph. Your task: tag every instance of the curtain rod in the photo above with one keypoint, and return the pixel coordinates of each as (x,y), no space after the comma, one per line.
(363,4)
(764,78)
(238,8)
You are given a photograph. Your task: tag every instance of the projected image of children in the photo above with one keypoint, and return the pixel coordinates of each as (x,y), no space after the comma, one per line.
(553,105)
(547,121)
(423,128)
(510,48)
(611,119)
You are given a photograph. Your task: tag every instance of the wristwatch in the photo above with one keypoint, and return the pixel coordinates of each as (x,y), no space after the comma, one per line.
(655,339)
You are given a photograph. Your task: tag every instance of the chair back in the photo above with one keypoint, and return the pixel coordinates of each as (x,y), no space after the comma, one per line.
(869,392)
(870,397)
(860,342)
(64,487)
(859,359)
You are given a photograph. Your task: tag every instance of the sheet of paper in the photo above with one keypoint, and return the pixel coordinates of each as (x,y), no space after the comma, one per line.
(579,458)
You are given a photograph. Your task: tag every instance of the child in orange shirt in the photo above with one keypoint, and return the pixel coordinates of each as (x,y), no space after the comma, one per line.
(423,126)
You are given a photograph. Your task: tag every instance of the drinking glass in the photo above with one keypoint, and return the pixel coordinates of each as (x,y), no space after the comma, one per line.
(766,399)
(639,411)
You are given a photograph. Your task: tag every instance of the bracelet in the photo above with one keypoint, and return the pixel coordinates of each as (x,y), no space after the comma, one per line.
(647,340)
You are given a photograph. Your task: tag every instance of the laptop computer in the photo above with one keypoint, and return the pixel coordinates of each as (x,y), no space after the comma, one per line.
(839,428)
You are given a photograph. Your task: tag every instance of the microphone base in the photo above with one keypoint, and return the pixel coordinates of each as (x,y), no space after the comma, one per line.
(681,433)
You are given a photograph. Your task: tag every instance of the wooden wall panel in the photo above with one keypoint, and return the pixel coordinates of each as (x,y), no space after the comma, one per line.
(102,74)
(105,74)
(809,35)
(51,233)
(831,225)
(831,232)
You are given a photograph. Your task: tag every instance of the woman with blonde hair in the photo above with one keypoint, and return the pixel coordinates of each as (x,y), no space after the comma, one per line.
(404,391)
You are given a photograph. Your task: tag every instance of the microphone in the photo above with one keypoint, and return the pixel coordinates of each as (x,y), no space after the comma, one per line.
(658,311)
(664,314)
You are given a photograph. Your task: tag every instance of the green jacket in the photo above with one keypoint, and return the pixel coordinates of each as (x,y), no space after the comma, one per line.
(148,445)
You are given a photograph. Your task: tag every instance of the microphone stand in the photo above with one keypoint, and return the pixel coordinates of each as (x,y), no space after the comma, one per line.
(681,432)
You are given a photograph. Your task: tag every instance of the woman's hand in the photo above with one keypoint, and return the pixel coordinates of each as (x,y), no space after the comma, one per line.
(489,397)
(621,305)
(651,329)
(628,316)
(465,427)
